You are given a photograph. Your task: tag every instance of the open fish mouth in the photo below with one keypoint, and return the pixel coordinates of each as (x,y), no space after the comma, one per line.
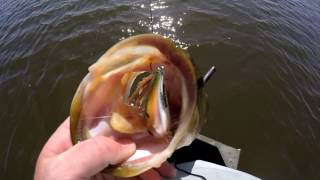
(143,88)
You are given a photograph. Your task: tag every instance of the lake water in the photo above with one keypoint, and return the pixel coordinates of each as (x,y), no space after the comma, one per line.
(264,97)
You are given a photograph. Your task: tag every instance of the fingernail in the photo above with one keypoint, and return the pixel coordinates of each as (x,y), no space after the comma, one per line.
(172,172)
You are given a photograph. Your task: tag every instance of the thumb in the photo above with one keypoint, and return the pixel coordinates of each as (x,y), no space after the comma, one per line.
(89,157)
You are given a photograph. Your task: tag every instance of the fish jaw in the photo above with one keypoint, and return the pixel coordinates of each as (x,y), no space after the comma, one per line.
(102,93)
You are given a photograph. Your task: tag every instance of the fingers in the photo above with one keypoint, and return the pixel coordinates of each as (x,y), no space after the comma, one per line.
(167,170)
(150,174)
(59,141)
(93,155)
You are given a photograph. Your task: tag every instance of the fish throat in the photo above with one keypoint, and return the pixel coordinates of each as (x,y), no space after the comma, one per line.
(145,105)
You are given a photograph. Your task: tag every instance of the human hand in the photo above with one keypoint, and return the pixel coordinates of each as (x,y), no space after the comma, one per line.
(59,159)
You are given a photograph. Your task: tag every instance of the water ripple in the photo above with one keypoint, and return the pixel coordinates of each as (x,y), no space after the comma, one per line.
(266,90)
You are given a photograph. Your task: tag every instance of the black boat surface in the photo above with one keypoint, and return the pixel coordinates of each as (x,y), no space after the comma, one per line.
(207,158)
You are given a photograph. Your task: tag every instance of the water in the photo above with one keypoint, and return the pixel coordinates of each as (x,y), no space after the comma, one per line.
(264,97)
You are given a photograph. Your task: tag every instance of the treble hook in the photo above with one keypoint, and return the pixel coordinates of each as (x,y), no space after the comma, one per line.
(204,79)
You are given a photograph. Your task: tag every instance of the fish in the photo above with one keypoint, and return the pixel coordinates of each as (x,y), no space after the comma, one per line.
(144,88)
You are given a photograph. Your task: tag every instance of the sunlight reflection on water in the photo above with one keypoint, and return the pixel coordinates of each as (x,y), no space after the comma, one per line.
(159,24)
